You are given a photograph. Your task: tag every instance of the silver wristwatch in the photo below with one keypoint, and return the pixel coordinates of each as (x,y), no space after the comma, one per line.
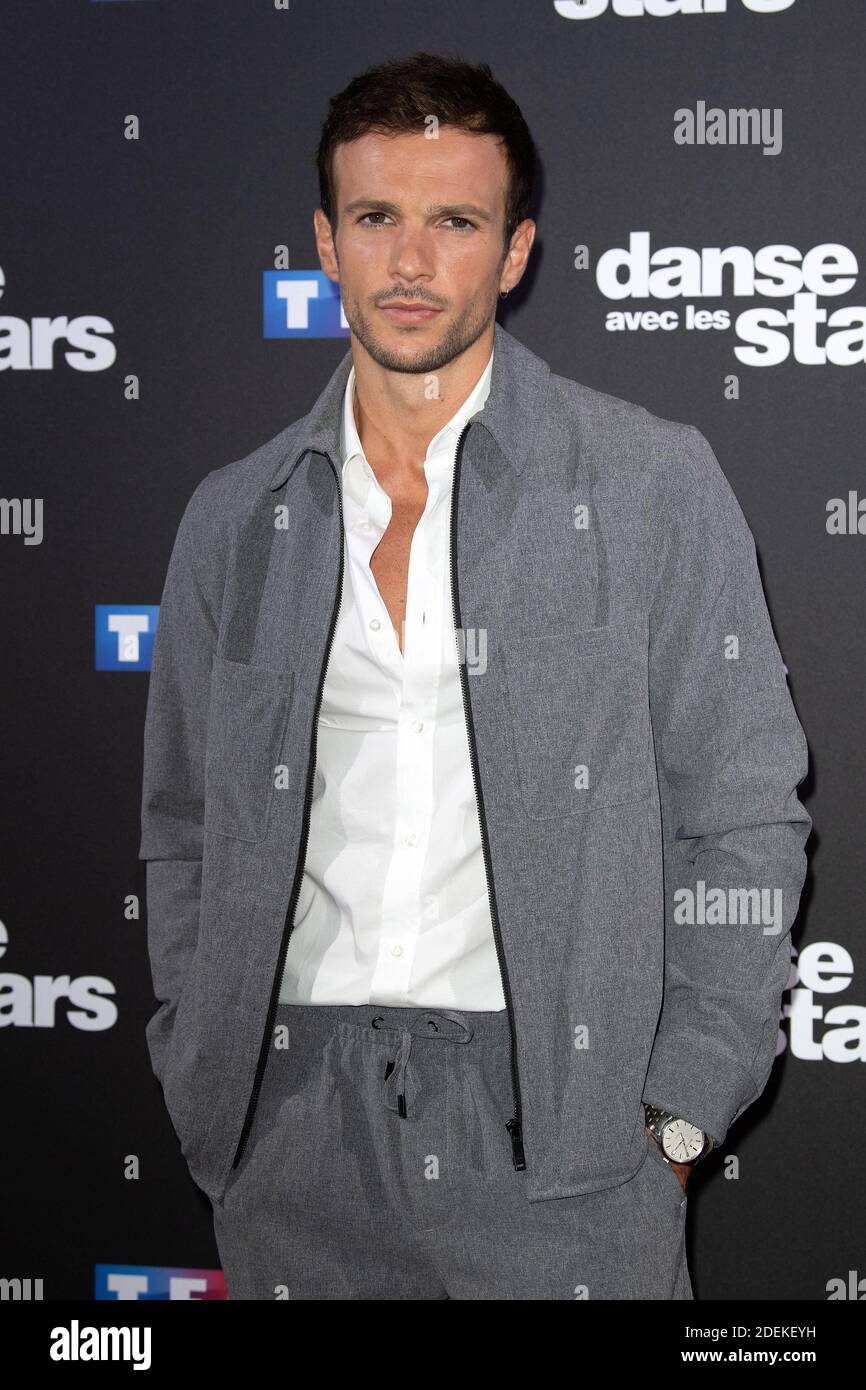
(679,1141)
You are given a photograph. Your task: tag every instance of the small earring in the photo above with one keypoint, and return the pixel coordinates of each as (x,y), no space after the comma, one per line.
(502,294)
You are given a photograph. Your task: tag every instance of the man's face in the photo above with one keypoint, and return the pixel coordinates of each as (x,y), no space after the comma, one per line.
(420,220)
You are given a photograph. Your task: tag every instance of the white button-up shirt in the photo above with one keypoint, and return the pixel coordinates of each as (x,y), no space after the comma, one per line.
(393,907)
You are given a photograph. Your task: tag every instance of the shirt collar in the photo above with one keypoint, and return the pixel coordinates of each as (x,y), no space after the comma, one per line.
(513,415)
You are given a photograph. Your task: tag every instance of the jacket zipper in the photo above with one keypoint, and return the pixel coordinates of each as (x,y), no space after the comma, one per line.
(515,1124)
(288,925)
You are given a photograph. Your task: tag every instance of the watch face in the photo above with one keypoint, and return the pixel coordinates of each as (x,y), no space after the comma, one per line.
(681,1141)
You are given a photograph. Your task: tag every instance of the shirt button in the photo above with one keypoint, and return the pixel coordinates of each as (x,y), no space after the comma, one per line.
(375,624)
(411,838)
(396,950)
(418,725)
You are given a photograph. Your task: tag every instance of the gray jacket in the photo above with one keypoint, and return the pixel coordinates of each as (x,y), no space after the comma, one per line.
(632,736)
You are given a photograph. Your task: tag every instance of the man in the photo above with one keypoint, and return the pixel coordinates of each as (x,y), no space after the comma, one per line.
(466,728)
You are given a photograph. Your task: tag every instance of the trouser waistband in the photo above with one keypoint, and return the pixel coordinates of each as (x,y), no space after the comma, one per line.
(403,1026)
(452,1025)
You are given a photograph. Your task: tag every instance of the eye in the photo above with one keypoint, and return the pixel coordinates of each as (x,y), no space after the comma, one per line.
(466,227)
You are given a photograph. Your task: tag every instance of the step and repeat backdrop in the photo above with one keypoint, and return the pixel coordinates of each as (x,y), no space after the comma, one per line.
(701,249)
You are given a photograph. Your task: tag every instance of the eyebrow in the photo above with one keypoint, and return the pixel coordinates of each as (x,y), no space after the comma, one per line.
(432,209)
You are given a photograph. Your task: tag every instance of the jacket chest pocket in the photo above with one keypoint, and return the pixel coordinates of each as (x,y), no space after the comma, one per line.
(249,711)
(580,718)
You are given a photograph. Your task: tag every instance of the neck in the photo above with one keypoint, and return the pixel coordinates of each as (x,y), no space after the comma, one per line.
(395,419)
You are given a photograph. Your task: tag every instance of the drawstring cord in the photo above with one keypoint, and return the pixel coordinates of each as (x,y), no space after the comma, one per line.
(400,1070)
(397,1077)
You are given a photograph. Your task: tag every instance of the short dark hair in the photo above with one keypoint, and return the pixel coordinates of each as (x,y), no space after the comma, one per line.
(397,96)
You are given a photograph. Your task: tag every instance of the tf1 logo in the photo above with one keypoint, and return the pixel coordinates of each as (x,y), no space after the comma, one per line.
(302,304)
(134,1283)
(124,636)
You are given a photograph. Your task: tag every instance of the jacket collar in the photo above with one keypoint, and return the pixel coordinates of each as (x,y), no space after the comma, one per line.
(518,390)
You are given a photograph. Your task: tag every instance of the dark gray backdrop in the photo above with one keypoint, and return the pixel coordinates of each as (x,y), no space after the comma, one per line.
(166,237)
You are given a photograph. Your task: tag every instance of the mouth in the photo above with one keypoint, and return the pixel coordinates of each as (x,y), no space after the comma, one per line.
(420,313)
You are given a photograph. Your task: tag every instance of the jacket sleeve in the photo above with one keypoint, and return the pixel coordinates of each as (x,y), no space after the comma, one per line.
(172,805)
(730,752)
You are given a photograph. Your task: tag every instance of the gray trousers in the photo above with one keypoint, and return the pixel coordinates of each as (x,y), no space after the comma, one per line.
(378,1166)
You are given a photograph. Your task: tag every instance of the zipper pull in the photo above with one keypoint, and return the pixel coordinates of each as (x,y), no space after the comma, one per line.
(516,1131)
(401,1106)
